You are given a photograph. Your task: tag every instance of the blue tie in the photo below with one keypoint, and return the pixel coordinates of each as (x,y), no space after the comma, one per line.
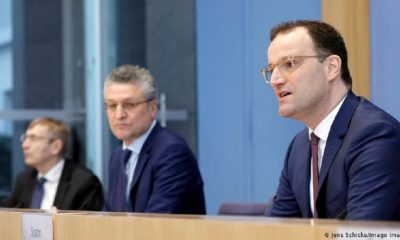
(38,193)
(126,154)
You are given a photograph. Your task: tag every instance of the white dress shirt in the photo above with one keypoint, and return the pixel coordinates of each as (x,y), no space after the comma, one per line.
(322,132)
(50,186)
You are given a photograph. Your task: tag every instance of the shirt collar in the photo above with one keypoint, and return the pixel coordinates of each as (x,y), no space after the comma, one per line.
(137,145)
(54,174)
(323,128)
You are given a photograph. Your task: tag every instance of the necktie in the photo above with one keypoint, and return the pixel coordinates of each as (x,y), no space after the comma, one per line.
(315,171)
(129,170)
(38,193)
(126,154)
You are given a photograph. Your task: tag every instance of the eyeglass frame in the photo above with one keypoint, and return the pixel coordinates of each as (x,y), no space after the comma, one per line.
(127,106)
(266,71)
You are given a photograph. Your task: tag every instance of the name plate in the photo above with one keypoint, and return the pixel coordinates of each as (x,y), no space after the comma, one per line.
(37,226)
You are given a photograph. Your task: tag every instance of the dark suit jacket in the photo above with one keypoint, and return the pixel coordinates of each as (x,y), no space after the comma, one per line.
(360,172)
(78,189)
(166,179)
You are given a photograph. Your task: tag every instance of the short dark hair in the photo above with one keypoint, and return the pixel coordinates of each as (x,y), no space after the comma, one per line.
(327,40)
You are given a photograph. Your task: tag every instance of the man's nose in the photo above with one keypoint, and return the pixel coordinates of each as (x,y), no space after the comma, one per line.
(120,112)
(277,77)
(25,144)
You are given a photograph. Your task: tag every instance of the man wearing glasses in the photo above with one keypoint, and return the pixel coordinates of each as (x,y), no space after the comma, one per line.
(154,170)
(52,181)
(346,162)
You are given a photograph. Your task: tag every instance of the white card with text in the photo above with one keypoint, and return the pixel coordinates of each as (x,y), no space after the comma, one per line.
(37,226)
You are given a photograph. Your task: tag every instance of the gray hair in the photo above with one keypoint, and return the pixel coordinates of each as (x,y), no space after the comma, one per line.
(133,74)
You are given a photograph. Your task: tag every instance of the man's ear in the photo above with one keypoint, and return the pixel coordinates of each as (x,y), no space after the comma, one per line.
(56,146)
(153,106)
(334,67)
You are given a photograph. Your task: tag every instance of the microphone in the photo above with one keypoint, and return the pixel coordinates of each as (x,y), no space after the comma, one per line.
(18,205)
(342,214)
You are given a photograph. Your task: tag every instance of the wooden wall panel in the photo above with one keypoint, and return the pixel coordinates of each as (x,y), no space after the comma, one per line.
(351,18)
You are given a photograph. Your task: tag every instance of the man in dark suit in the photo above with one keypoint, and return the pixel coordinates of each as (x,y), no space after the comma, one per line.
(65,185)
(154,170)
(346,162)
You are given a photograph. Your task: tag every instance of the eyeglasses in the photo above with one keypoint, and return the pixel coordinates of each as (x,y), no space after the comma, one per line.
(33,138)
(126,106)
(286,65)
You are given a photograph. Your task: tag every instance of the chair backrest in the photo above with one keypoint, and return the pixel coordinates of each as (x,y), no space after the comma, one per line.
(243,209)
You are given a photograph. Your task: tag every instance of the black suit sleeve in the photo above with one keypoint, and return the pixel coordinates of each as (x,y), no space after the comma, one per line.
(91,195)
(78,189)
(22,192)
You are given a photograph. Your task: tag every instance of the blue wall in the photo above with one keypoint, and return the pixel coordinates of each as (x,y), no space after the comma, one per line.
(385,55)
(242,139)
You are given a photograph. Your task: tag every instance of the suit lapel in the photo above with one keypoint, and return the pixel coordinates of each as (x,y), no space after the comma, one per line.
(142,161)
(63,185)
(337,133)
(333,145)
(144,154)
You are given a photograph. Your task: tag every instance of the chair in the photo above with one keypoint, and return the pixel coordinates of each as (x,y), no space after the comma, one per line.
(243,209)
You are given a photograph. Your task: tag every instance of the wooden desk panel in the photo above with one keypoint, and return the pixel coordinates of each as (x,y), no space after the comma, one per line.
(10,225)
(119,226)
(157,227)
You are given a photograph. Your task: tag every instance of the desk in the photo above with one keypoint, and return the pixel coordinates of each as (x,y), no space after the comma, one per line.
(179,227)
(120,226)
(76,225)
